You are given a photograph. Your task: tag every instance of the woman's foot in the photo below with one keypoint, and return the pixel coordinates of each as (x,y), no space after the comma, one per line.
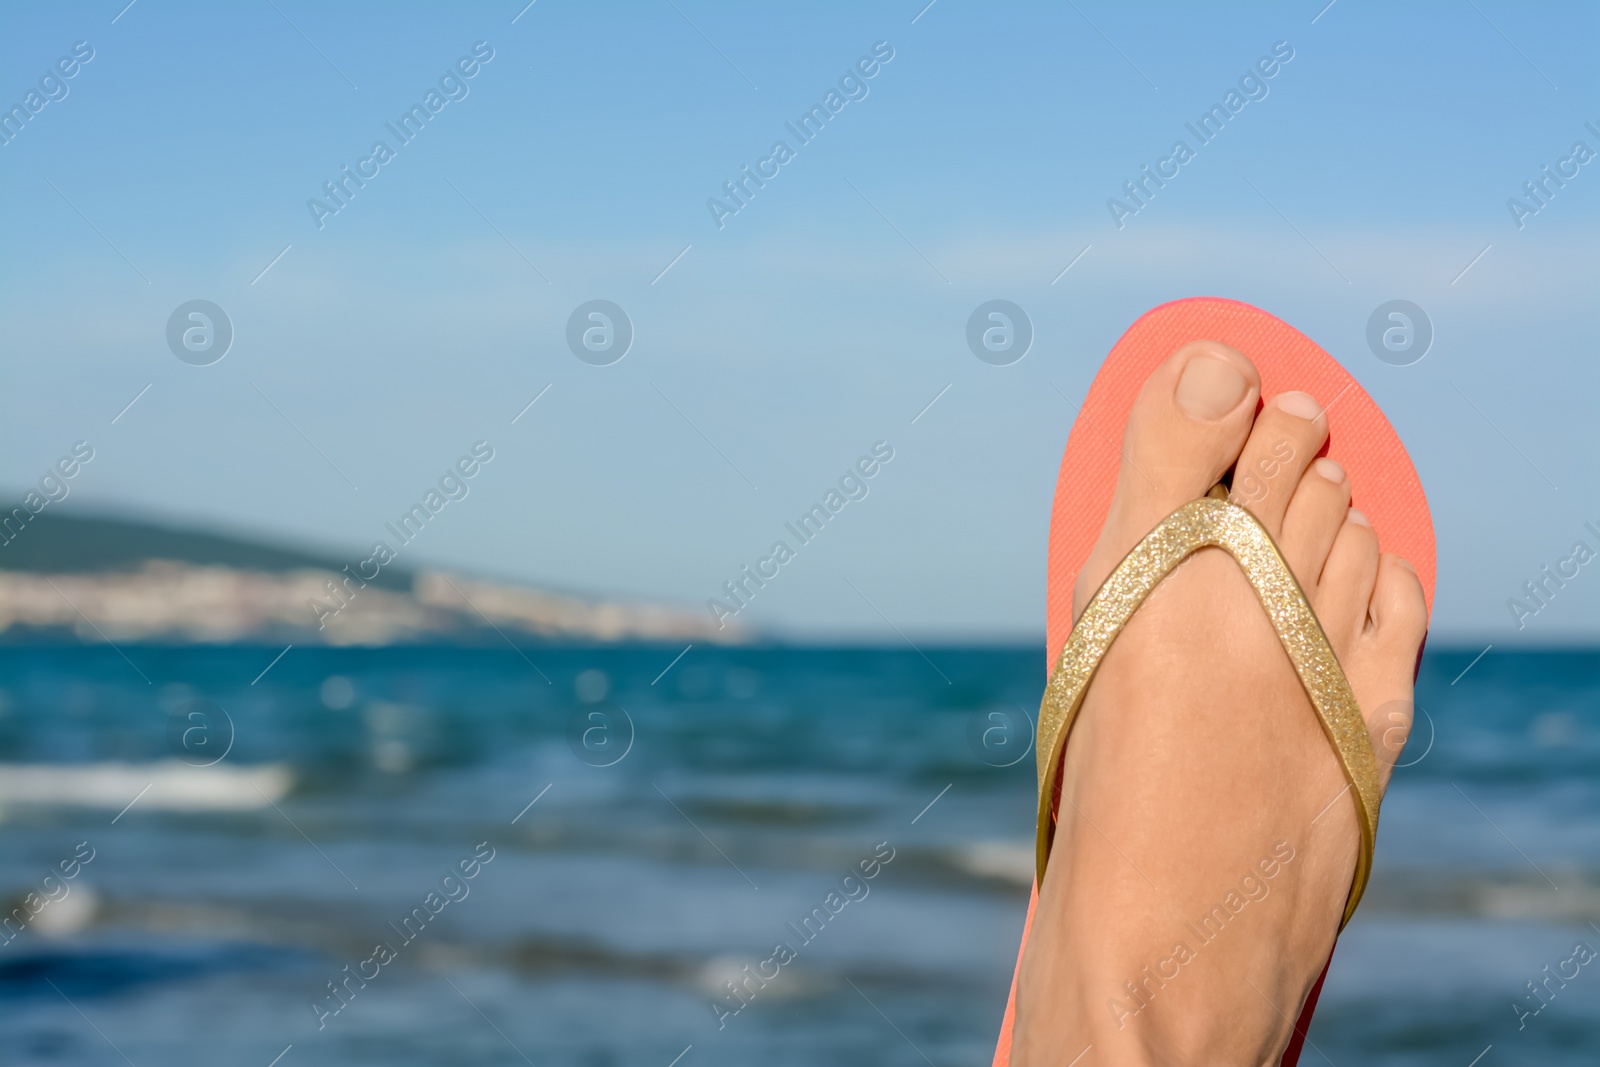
(1206,839)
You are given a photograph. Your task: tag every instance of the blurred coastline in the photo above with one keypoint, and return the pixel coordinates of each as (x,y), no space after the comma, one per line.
(116,579)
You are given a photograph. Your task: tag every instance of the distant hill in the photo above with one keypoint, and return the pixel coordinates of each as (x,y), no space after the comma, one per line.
(56,543)
(103,578)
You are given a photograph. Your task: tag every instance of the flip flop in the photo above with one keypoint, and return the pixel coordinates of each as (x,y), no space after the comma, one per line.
(1360,440)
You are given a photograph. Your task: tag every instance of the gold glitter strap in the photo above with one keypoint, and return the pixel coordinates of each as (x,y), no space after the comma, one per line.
(1202,524)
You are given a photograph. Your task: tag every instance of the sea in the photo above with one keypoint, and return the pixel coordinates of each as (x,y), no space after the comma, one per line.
(591,856)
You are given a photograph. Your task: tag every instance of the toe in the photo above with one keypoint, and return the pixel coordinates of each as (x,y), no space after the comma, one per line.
(1398,609)
(1316,511)
(1189,421)
(1183,433)
(1285,439)
(1387,658)
(1348,577)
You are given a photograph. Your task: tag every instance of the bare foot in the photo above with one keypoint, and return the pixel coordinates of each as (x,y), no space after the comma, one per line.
(1206,840)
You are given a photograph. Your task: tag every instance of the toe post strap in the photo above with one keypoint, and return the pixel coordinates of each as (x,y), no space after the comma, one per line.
(1212,521)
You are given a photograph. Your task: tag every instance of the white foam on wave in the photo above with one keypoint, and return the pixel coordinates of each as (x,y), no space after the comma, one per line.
(168,785)
(1009,861)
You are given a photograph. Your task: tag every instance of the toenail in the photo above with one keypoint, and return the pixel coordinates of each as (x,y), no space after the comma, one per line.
(1406,563)
(1210,388)
(1358,518)
(1300,405)
(1329,469)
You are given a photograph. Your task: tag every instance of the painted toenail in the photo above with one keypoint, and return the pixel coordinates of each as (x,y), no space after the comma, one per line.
(1358,518)
(1300,405)
(1329,469)
(1210,388)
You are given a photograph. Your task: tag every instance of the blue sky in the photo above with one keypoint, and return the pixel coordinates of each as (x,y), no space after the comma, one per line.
(820,319)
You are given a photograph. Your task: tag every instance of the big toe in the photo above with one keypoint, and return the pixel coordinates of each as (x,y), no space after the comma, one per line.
(1187,427)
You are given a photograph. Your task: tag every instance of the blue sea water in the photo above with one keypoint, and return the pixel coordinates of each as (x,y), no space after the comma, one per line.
(657,825)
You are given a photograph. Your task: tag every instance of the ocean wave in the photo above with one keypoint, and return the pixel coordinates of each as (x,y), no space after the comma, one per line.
(1504,896)
(167,785)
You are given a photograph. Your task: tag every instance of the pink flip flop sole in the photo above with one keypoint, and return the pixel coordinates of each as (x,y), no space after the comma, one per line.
(1386,487)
